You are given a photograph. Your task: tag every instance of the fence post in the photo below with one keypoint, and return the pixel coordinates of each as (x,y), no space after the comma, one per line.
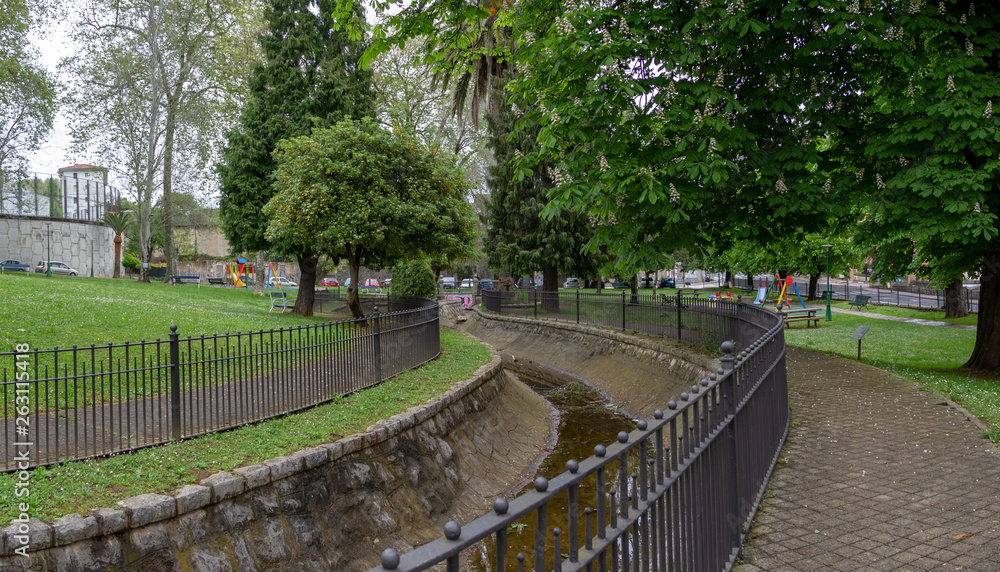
(577,305)
(727,360)
(175,382)
(678,315)
(534,299)
(377,329)
(623,310)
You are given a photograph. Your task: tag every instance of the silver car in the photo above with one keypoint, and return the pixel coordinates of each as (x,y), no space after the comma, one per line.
(57,268)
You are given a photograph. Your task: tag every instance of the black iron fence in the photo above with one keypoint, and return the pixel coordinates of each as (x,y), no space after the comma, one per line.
(679,491)
(65,195)
(75,403)
(899,295)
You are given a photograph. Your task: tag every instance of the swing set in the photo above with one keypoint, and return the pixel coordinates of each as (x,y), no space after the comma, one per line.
(787,287)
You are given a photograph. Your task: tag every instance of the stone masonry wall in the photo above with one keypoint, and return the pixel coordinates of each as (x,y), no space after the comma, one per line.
(331,507)
(26,239)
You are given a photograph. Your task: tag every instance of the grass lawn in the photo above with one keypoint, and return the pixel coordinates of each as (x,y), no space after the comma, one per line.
(84,485)
(926,355)
(935,315)
(66,310)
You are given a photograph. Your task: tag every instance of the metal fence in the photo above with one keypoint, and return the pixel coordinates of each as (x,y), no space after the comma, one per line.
(679,491)
(909,297)
(57,196)
(81,402)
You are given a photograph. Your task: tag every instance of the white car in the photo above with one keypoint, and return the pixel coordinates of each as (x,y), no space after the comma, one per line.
(466,284)
(57,268)
(283,282)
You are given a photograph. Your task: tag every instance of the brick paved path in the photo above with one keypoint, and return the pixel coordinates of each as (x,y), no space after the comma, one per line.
(876,475)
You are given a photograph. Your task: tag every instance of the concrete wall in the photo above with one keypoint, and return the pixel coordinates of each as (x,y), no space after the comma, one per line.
(331,507)
(26,239)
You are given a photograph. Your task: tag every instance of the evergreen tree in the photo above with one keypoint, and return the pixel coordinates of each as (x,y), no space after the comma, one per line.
(309,78)
(520,239)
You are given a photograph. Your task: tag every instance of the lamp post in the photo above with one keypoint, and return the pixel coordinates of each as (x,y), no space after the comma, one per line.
(92,259)
(829,314)
(48,251)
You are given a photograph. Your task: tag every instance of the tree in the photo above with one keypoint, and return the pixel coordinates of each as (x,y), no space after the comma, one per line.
(28,98)
(309,78)
(519,239)
(119,222)
(357,192)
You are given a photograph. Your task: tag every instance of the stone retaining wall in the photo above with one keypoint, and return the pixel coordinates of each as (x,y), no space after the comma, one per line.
(27,240)
(331,507)
(642,373)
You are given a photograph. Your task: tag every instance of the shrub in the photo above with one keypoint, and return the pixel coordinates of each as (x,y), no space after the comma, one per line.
(130,261)
(413,278)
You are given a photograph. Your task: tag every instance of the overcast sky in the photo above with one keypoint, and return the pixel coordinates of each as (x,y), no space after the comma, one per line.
(54,153)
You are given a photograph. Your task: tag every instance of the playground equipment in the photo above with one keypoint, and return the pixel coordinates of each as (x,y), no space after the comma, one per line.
(271,273)
(237,273)
(763,298)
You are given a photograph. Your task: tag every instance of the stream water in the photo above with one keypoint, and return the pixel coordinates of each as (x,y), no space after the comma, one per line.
(586,420)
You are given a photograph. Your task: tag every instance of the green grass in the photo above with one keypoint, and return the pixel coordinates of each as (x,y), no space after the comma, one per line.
(81,486)
(929,356)
(910,313)
(67,310)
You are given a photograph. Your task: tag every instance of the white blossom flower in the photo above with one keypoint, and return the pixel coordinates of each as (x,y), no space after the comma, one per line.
(962,20)
(915,6)
(671,89)
(989,109)
(607,38)
(903,161)
(909,90)
(719,80)
(712,145)
(972,9)
(772,81)
(814,86)
(604,164)
(751,209)
(941,8)
(564,26)
(861,173)
(674,195)
(696,120)
(827,185)
(969,50)
(878,181)
(623,26)
(951,84)
(780,186)
(854,8)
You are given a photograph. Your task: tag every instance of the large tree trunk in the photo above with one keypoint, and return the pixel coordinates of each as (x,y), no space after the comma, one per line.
(169,252)
(986,353)
(813,284)
(354,267)
(550,289)
(260,273)
(600,284)
(118,256)
(954,301)
(633,285)
(307,285)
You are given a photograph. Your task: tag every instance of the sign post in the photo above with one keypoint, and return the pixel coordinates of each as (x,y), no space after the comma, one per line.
(858,334)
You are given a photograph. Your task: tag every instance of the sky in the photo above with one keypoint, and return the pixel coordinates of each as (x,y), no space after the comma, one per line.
(55,152)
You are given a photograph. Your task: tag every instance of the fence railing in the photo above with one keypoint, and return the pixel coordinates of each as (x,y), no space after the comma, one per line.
(676,493)
(57,196)
(921,298)
(75,403)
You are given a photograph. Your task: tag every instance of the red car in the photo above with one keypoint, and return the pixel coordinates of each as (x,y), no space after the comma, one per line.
(329,283)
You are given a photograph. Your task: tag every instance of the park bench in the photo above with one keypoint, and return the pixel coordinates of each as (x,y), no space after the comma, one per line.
(177,279)
(859,301)
(215,281)
(279,299)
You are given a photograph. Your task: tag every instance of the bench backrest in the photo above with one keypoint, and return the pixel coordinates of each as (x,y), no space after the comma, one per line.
(277,294)
(862,299)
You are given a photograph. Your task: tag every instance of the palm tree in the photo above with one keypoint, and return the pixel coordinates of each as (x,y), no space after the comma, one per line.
(118,221)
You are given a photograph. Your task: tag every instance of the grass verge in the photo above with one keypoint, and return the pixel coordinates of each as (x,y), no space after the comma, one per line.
(926,355)
(911,313)
(81,486)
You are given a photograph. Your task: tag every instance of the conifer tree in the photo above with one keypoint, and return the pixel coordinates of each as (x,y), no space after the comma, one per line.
(309,78)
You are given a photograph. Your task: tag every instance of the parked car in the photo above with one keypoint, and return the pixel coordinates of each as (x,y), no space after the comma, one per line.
(486,283)
(57,268)
(571,283)
(283,282)
(387,282)
(667,283)
(11,265)
(448,282)
(329,282)
(370,284)
(466,284)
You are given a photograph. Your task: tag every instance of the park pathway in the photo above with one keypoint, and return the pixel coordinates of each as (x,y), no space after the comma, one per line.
(876,475)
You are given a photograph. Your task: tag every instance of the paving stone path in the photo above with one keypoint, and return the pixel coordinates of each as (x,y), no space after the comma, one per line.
(876,475)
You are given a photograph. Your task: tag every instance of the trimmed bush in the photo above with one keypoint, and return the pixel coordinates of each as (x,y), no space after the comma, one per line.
(413,278)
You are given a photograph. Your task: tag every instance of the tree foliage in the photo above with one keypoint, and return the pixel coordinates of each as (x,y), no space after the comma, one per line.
(413,278)
(355,191)
(309,78)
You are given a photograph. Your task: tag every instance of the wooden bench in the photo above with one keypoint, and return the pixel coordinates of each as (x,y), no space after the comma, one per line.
(176,279)
(216,281)
(279,299)
(800,315)
(859,301)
